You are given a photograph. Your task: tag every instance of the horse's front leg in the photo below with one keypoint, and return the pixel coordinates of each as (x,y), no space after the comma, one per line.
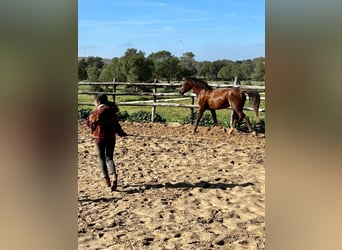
(200,114)
(213,113)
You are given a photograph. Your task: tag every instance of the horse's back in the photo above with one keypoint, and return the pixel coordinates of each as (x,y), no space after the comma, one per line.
(217,99)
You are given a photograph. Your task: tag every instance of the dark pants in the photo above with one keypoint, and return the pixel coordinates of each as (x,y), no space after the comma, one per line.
(105,148)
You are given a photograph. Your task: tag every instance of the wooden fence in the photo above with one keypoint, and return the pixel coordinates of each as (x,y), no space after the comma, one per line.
(155,102)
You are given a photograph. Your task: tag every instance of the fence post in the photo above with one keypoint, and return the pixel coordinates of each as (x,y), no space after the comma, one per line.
(231,115)
(114,89)
(192,110)
(154,100)
(236,81)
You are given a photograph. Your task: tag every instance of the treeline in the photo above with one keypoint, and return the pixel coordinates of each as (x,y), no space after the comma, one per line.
(133,66)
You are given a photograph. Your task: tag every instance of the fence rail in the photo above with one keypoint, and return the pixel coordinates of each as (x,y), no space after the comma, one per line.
(157,102)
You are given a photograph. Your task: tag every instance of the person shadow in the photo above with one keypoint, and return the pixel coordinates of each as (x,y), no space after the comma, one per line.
(140,188)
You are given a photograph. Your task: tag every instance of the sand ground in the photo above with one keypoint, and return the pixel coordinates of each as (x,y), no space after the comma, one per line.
(177,190)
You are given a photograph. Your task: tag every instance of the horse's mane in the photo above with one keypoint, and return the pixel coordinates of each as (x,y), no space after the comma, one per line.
(199,82)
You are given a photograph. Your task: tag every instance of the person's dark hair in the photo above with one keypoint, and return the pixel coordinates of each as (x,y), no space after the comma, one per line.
(102,98)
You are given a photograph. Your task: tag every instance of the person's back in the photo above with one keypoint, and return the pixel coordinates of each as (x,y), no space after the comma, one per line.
(103,122)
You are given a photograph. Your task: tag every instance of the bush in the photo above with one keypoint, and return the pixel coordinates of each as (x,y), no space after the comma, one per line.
(242,126)
(260,127)
(170,89)
(206,120)
(137,89)
(123,116)
(84,113)
(143,116)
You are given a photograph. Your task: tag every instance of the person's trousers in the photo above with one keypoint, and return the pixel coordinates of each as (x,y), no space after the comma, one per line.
(105,148)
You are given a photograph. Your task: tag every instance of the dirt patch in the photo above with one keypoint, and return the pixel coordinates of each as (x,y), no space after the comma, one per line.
(177,190)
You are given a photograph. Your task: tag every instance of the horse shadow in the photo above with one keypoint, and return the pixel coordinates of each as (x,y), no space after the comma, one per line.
(136,188)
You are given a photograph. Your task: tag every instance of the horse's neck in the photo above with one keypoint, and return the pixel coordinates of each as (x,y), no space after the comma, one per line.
(197,90)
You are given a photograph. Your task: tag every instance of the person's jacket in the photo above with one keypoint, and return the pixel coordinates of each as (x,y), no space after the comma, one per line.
(102,122)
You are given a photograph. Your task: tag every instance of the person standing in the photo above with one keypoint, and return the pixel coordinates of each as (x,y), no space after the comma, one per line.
(104,126)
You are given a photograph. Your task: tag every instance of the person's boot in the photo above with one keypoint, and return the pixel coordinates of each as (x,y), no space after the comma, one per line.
(107,181)
(115,182)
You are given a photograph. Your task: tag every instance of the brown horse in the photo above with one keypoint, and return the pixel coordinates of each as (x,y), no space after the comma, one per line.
(212,99)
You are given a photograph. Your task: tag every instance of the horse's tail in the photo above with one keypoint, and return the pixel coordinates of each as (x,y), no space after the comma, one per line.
(254,100)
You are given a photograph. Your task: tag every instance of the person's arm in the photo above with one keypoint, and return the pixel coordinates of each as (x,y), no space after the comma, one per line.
(92,121)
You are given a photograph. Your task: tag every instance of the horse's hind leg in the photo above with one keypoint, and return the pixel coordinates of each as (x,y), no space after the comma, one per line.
(243,116)
(246,119)
(235,118)
(213,113)
(256,104)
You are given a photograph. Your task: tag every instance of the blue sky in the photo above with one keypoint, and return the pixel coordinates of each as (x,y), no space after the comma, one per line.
(211,29)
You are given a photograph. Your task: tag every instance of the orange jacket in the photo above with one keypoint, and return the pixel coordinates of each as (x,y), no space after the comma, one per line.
(102,122)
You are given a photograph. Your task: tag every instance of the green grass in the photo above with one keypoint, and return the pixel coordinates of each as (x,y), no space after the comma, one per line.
(176,114)
(171,114)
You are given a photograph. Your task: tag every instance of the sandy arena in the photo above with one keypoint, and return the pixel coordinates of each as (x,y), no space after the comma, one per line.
(177,190)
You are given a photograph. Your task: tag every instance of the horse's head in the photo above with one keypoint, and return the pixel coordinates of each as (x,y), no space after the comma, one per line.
(185,87)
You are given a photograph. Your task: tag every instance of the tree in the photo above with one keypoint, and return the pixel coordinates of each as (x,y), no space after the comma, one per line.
(135,66)
(116,70)
(259,69)
(90,68)
(187,64)
(236,70)
(82,70)
(215,67)
(165,65)
(105,75)
(95,61)
(246,68)
(93,73)
(203,69)
(226,72)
